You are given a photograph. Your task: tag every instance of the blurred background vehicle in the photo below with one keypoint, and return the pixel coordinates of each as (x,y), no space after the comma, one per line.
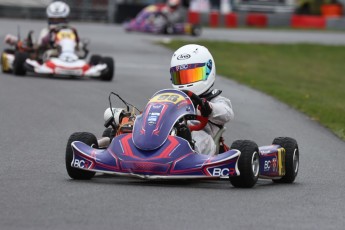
(118,11)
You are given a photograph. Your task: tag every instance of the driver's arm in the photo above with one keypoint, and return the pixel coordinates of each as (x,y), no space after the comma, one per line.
(222,111)
(76,36)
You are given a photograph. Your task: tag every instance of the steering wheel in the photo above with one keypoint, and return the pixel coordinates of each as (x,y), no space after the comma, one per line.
(202,120)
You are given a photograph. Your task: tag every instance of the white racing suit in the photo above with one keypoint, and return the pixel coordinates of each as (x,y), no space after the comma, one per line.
(172,15)
(221,113)
(47,35)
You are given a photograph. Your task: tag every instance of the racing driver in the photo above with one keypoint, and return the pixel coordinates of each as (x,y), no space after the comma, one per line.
(198,75)
(57,13)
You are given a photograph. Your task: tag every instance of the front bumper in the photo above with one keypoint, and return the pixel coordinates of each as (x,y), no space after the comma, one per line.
(78,69)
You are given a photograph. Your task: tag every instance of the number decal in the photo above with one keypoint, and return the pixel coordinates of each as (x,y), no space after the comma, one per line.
(168,97)
(65,34)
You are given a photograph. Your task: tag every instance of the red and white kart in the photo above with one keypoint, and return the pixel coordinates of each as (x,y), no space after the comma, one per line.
(63,60)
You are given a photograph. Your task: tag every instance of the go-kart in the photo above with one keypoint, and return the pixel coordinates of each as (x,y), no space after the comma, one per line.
(157,144)
(152,20)
(64,59)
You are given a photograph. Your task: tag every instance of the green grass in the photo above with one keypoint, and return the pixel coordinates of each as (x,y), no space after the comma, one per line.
(310,78)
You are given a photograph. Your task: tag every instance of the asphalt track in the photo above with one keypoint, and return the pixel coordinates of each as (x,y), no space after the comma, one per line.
(38,114)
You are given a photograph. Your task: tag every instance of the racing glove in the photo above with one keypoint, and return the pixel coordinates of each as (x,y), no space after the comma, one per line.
(205,108)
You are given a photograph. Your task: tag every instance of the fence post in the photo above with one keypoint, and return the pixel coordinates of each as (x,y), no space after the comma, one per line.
(112,7)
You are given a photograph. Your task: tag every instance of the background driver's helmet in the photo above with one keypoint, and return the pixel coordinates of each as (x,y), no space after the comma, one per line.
(173,3)
(57,13)
(192,68)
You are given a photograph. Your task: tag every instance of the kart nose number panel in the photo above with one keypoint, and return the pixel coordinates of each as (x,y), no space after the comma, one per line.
(152,128)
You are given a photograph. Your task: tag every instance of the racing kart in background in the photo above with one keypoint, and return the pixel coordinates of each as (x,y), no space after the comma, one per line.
(64,59)
(152,20)
(157,144)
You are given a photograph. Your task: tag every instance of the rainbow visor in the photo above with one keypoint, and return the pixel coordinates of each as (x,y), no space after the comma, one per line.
(187,74)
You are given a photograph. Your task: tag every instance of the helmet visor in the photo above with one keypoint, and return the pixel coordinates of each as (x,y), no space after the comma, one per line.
(187,74)
(56,21)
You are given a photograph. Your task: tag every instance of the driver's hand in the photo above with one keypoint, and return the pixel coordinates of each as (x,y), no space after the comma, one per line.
(205,108)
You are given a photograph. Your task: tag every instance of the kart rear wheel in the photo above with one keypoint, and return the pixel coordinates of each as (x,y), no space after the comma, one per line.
(109,72)
(169,29)
(248,164)
(4,64)
(75,173)
(291,158)
(196,30)
(18,63)
(95,60)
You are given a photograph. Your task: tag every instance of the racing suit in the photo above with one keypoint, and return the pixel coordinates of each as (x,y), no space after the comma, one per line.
(47,35)
(172,15)
(46,40)
(221,113)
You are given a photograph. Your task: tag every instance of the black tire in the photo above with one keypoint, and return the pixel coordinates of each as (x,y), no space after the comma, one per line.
(75,173)
(95,60)
(108,74)
(291,158)
(196,30)
(18,63)
(248,164)
(4,63)
(169,29)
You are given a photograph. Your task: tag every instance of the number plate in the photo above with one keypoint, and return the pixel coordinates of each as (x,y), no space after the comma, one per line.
(76,72)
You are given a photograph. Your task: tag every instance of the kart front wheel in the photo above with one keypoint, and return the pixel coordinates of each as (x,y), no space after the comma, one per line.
(248,164)
(291,158)
(18,63)
(75,173)
(169,29)
(95,60)
(108,73)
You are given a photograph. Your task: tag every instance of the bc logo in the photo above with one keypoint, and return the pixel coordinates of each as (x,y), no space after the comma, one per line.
(80,164)
(220,172)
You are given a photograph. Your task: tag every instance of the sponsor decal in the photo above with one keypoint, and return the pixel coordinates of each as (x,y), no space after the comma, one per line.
(157,106)
(220,172)
(154,114)
(267,165)
(182,67)
(183,57)
(80,164)
(265,151)
(151,120)
(274,164)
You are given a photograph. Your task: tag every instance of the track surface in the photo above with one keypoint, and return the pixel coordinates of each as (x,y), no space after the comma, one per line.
(37,115)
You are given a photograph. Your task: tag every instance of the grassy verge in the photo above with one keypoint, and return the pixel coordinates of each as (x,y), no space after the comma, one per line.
(310,78)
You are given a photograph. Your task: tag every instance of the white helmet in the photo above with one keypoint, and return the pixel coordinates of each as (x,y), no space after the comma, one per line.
(192,68)
(57,13)
(173,3)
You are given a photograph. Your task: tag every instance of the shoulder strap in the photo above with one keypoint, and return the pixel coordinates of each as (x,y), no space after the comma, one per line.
(209,96)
